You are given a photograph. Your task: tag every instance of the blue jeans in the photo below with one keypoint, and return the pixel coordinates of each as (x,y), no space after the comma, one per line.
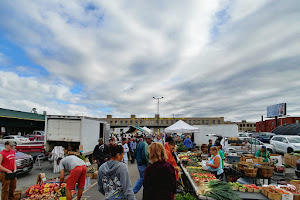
(139,182)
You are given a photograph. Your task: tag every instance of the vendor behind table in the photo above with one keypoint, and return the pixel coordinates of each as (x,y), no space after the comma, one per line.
(214,164)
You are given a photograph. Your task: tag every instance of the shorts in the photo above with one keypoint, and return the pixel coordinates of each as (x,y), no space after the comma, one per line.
(77,175)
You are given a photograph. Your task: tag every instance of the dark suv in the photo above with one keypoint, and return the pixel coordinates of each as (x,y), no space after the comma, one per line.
(24,161)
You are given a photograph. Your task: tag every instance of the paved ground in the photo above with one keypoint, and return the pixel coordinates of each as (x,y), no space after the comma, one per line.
(93,194)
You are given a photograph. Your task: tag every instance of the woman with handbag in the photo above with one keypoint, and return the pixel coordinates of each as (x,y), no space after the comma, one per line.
(8,167)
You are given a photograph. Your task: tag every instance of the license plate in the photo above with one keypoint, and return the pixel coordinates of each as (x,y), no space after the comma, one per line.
(25,169)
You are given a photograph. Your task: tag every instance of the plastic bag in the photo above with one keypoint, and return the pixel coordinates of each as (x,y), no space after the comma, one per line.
(204,166)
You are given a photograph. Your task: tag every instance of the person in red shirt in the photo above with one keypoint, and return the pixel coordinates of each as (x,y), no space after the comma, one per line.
(170,148)
(8,166)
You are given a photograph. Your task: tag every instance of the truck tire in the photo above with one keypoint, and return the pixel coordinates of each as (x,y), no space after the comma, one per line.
(290,150)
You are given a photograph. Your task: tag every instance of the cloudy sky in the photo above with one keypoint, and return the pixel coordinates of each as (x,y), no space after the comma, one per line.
(207,58)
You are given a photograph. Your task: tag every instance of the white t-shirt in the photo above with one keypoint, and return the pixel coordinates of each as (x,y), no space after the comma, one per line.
(126,149)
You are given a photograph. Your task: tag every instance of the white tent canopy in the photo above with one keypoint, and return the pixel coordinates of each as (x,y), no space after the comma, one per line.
(147,129)
(181,127)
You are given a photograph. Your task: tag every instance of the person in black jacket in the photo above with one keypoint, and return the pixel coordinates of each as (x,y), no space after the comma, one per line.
(101,152)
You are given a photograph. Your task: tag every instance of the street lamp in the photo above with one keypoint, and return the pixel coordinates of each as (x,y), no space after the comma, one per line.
(158,98)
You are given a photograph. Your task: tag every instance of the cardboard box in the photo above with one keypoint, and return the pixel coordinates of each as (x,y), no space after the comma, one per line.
(95,175)
(296,184)
(294,160)
(288,159)
(91,175)
(17,195)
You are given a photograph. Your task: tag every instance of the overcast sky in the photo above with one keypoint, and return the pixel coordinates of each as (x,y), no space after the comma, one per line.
(207,58)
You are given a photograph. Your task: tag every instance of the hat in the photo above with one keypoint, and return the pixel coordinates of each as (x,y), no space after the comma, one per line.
(11,143)
(264,147)
(148,137)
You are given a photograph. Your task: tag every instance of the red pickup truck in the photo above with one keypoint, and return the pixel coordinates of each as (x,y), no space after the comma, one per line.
(32,149)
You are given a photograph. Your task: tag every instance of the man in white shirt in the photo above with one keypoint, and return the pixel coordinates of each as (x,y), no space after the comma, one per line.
(126,150)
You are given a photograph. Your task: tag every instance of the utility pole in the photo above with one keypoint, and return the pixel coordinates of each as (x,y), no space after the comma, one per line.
(158,98)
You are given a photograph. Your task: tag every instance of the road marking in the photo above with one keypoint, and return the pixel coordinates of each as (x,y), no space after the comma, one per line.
(85,191)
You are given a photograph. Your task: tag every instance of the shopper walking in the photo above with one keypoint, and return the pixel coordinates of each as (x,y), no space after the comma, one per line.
(132,148)
(126,150)
(142,159)
(113,177)
(160,179)
(101,152)
(8,168)
(77,170)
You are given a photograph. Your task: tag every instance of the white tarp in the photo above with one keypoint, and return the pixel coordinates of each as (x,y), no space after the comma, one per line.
(181,127)
(147,129)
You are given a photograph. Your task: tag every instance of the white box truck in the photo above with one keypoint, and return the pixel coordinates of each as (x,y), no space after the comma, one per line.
(224,130)
(74,131)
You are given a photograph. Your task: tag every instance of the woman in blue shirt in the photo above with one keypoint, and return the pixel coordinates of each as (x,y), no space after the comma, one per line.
(215,163)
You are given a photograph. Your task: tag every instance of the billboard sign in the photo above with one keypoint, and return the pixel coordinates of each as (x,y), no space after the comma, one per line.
(276,110)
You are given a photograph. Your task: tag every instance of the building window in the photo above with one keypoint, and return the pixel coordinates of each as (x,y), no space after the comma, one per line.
(167,121)
(136,122)
(162,121)
(297,121)
(247,125)
(285,122)
(219,121)
(272,123)
(151,122)
(147,122)
(190,122)
(126,122)
(199,122)
(110,122)
(130,121)
(141,122)
(207,122)
(172,121)
(156,121)
(214,121)
(116,122)
(121,122)
(250,125)
(243,125)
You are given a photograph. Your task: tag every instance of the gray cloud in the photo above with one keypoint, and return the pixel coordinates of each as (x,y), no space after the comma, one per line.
(123,55)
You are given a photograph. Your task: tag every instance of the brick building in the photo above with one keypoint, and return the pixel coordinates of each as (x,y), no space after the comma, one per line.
(270,124)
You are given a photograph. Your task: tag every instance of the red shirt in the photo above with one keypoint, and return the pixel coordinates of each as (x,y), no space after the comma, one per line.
(8,159)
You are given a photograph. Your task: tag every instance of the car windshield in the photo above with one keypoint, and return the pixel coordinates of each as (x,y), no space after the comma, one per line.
(254,142)
(294,140)
(20,137)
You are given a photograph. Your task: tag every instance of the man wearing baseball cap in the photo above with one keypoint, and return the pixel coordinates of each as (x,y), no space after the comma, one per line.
(8,167)
(262,152)
(142,159)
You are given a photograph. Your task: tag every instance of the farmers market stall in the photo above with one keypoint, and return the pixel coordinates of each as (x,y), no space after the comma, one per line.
(205,185)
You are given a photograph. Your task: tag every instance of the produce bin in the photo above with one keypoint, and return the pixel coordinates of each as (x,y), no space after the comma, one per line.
(233,159)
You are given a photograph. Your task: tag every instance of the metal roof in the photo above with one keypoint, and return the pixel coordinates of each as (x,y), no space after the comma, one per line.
(288,129)
(15,114)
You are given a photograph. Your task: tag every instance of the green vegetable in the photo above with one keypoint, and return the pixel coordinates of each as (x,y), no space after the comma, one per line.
(222,191)
(185,196)
(181,147)
(297,151)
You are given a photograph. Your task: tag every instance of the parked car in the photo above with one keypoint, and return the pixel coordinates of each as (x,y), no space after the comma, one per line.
(24,161)
(38,133)
(15,138)
(297,169)
(35,137)
(255,146)
(286,143)
(264,136)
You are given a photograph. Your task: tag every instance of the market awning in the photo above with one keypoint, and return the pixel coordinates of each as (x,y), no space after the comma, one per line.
(288,129)
(134,128)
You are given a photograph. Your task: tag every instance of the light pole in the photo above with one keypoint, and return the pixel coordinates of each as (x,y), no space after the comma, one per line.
(158,98)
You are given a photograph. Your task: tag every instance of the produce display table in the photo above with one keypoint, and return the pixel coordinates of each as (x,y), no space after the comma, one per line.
(242,195)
